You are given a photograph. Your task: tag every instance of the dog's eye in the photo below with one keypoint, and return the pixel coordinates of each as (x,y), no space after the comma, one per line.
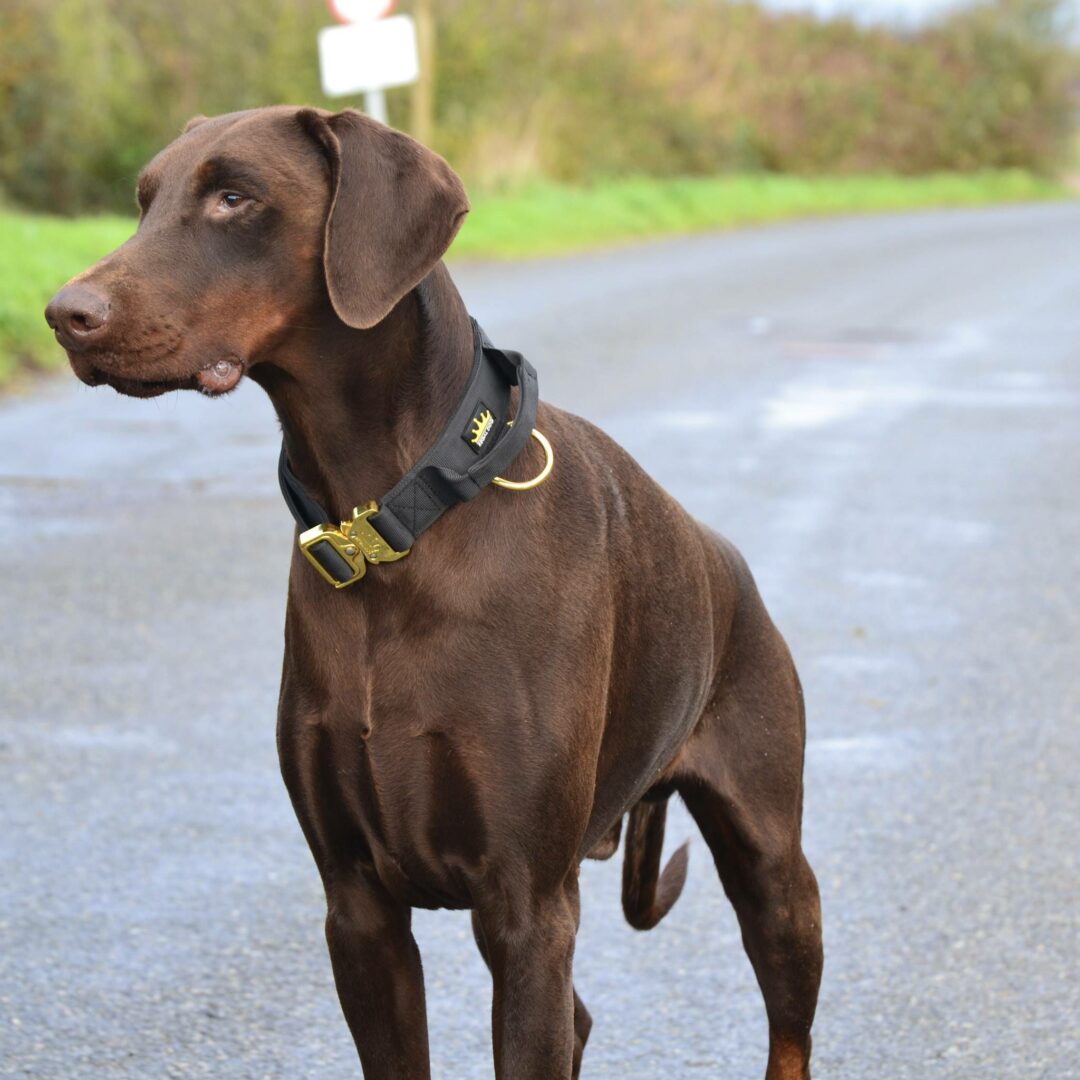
(230,200)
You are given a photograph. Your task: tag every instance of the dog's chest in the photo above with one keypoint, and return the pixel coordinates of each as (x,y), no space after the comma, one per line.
(381,777)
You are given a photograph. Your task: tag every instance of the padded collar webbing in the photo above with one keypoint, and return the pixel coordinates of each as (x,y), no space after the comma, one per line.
(475,446)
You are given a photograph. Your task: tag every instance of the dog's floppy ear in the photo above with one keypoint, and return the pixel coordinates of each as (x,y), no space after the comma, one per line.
(394,208)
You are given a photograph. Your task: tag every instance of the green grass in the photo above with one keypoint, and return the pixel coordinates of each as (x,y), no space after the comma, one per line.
(545,219)
(40,253)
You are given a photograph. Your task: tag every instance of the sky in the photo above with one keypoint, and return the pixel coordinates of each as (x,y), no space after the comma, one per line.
(868,9)
(903,12)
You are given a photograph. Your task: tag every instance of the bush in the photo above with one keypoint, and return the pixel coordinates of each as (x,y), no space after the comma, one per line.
(670,87)
(565,89)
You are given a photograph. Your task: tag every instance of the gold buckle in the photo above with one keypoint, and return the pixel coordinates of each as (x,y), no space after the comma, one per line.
(372,544)
(341,554)
(541,476)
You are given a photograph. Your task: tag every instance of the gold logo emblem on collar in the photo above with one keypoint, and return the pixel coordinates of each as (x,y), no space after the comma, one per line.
(482,424)
(341,554)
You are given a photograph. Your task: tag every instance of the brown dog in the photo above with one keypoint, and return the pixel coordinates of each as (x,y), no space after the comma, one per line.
(466,725)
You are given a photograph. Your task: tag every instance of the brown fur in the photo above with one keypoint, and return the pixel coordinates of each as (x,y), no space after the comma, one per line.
(461,728)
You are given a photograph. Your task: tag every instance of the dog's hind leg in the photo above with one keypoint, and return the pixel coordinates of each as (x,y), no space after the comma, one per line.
(531,975)
(758,854)
(741,779)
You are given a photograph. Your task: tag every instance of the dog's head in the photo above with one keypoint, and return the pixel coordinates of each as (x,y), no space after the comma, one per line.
(250,224)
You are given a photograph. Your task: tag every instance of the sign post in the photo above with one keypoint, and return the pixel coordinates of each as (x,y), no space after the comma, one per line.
(368,53)
(423,95)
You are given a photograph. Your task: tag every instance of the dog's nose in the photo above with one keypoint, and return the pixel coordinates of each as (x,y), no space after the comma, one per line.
(78,314)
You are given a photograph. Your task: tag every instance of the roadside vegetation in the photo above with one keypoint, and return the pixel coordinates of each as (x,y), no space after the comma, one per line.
(41,252)
(39,255)
(575,91)
(573,122)
(548,218)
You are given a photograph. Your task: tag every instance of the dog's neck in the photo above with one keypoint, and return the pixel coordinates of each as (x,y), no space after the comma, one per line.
(359,407)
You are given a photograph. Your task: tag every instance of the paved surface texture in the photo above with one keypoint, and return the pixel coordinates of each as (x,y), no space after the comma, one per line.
(883,414)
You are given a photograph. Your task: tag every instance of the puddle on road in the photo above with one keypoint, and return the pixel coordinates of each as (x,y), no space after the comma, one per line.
(893,752)
(960,532)
(1006,397)
(801,407)
(848,664)
(84,737)
(885,579)
(1020,380)
(690,419)
(836,390)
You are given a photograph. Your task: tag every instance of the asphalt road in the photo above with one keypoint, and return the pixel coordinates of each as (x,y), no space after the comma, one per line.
(883,413)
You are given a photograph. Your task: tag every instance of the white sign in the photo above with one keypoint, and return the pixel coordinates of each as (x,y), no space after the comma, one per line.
(350,11)
(368,56)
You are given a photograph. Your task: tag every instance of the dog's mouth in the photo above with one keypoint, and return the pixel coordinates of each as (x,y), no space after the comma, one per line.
(214,379)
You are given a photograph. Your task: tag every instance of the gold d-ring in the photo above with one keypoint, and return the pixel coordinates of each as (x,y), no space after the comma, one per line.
(540,477)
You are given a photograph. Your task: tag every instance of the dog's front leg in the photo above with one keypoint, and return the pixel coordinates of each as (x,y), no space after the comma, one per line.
(379,979)
(528,942)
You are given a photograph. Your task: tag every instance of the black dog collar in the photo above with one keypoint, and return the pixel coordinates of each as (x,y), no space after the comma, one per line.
(477,444)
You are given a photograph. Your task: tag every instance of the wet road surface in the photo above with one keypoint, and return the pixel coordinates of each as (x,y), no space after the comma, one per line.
(883,413)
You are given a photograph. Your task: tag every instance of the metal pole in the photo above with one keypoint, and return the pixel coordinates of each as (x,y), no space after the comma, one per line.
(375,105)
(423,95)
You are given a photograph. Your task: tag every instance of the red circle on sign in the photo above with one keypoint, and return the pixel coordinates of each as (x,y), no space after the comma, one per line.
(351,11)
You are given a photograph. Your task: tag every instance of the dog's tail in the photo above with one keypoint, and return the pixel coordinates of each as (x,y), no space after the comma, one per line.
(647,894)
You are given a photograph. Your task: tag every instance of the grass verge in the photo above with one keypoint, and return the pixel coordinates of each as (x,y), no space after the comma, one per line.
(40,253)
(545,219)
